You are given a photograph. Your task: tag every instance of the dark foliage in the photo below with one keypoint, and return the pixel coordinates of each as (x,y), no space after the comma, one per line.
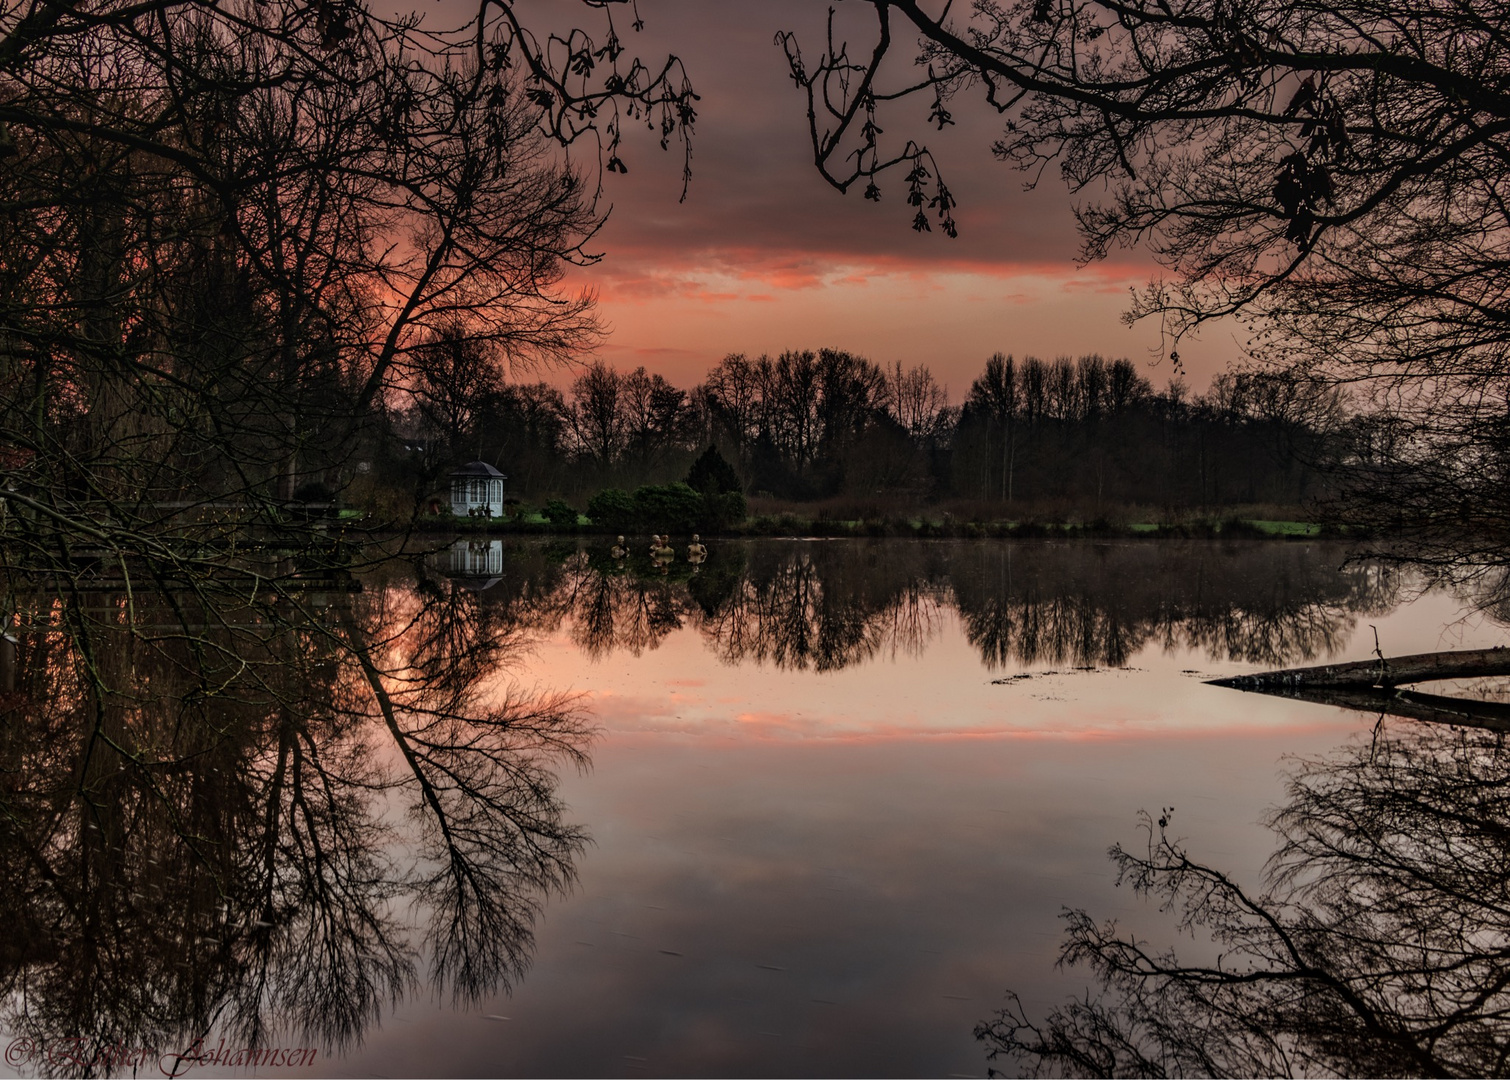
(722,511)
(668,508)
(1083,434)
(559,514)
(612,508)
(712,475)
(676,508)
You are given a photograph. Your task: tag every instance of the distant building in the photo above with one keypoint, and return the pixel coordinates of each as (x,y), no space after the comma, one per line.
(477,490)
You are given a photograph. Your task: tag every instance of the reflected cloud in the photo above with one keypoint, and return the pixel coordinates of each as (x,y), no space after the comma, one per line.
(270,817)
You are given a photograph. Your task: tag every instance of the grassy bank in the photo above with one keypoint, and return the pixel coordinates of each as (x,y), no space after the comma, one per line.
(937,526)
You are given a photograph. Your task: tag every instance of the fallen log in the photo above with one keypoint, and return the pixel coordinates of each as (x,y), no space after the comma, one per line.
(1384,672)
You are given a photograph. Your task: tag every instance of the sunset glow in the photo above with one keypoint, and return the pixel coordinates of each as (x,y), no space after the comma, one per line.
(763,256)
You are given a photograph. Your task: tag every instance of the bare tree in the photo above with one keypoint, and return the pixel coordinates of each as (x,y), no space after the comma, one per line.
(595,416)
(657,417)
(995,396)
(233,232)
(456,379)
(917,402)
(734,390)
(197,831)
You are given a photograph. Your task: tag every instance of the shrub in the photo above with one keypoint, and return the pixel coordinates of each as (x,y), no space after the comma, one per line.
(314,491)
(674,508)
(723,510)
(560,515)
(612,508)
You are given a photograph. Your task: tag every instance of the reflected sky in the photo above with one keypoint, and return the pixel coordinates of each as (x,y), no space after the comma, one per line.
(840,872)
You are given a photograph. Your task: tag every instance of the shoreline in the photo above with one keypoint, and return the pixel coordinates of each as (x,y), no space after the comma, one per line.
(790,525)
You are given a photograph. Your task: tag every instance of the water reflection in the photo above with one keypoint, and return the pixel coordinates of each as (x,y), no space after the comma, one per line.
(1101,604)
(230,817)
(1378,946)
(470,559)
(262,815)
(828,606)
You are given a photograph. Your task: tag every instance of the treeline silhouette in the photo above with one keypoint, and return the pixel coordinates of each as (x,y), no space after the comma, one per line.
(817,424)
(824,607)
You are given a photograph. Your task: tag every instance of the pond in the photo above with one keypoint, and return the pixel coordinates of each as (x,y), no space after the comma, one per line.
(814,809)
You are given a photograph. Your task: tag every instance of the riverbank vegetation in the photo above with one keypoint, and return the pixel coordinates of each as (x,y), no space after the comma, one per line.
(558,518)
(831,437)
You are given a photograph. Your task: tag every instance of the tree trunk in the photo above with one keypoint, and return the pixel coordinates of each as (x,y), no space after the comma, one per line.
(1006,439)
(1011,461)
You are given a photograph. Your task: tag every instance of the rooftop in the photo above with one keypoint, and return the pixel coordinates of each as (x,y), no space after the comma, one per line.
(478,468)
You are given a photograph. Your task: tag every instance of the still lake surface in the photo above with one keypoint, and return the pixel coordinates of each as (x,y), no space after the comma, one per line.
(842,791)
(839,793)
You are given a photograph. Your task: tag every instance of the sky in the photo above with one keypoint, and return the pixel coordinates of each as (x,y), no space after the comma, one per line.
(764,256)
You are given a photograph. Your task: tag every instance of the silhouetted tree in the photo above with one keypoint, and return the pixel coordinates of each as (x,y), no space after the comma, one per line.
(233,233)
(711,474)
(1020,603)
(595,416)
(656,418)
(456,381)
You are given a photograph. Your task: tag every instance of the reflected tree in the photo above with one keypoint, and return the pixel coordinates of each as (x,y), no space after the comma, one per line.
(825,607)
(214,817)
(611,610)
(1260,603)
(1379,943)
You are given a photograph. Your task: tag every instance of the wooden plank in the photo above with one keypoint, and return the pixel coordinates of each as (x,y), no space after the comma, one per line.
(1410,704)
(1383,672)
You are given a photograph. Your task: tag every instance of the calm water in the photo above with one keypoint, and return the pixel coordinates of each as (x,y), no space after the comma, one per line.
(838,794)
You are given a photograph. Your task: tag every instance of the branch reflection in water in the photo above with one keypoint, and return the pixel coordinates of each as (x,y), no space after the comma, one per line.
(1379,944)
(226,817)
(827,606)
